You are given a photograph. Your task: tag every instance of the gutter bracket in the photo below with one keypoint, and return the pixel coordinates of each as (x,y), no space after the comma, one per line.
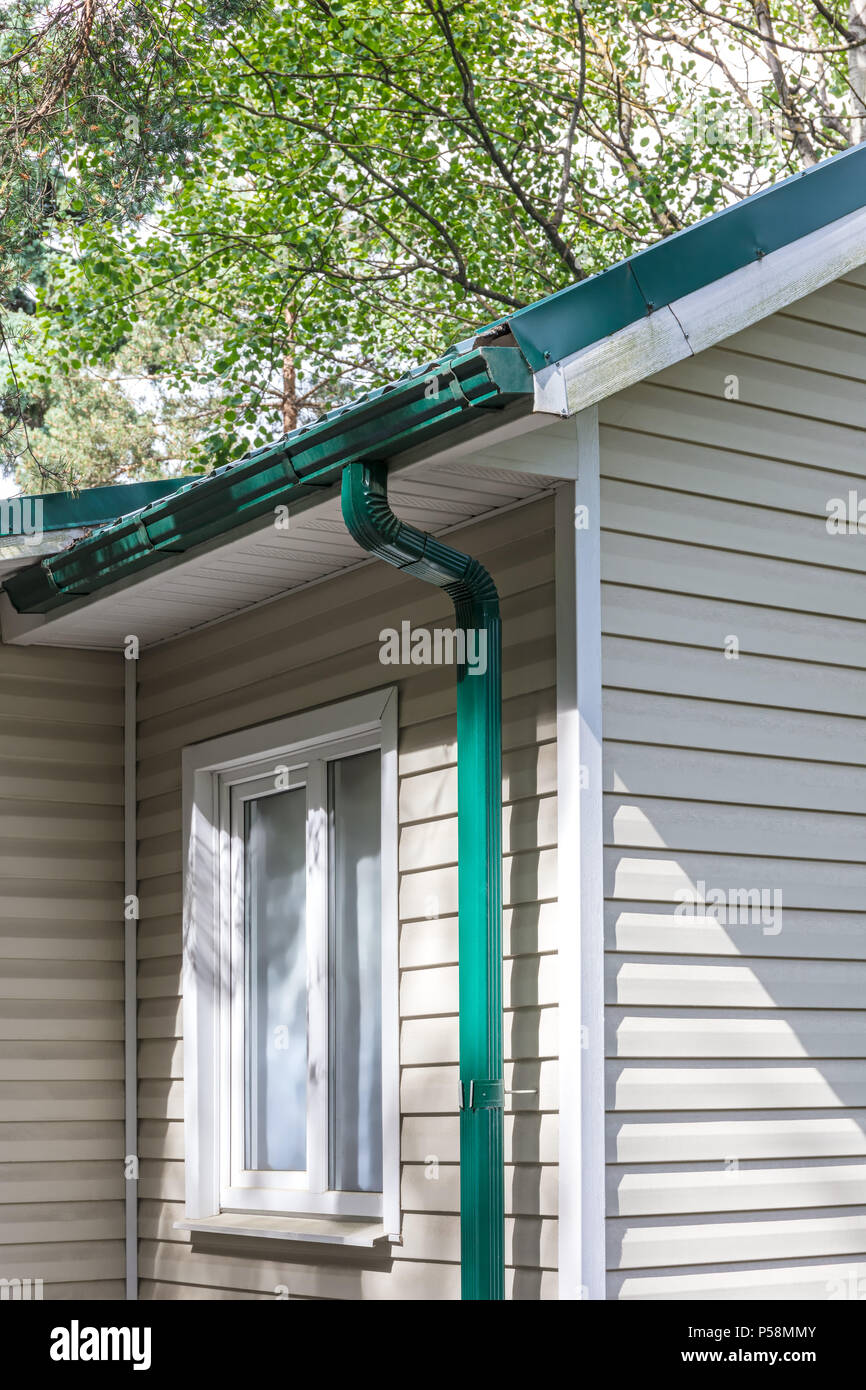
(296,479)
(141,532)
(460,395)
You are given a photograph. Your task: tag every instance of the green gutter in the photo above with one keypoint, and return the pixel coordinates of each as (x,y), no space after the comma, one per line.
(412,411)
(747,231)
(479,856)
(472,376)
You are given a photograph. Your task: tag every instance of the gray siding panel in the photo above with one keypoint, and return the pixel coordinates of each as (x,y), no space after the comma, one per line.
(315,647)
(736,1072)
(61,940)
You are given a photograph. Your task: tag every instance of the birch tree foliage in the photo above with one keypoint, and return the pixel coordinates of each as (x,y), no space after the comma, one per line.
(373,181)
(89,122)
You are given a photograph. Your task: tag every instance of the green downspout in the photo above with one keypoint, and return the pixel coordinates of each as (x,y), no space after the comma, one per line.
(479,829)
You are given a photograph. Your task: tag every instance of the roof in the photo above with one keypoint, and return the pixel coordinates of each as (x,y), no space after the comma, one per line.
(688,260)
(413,410)
(93,506)
(478,378)
(41,524)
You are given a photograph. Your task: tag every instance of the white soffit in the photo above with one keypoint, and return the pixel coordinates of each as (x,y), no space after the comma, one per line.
(702,319)
(264,563)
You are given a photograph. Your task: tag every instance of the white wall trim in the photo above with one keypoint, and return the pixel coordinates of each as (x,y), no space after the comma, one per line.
(130,970)
(710,315)
(203,957)
(580,874)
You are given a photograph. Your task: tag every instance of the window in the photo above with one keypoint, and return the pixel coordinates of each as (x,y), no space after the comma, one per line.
(290,988)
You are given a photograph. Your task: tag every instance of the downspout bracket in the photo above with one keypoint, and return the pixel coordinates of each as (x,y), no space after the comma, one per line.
(483,1095)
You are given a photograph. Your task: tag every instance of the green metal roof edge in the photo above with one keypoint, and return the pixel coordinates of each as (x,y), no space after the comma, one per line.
(413,410)
(592,309)
(95,506)
(436,397)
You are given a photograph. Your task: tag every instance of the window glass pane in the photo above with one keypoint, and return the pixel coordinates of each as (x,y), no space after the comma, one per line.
(276,980)
(356,974)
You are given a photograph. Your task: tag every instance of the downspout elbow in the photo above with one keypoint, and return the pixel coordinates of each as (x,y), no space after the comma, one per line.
(371,522)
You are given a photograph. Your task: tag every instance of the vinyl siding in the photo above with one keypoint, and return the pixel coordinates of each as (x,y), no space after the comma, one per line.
(61,940)
(315,647)
(737,1058)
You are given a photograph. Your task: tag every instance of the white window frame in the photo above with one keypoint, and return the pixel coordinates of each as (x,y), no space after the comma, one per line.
(215,774)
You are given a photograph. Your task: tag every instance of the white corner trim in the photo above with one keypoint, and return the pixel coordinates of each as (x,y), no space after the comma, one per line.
(130,974)
(702,319)
(611,364)
(580,874)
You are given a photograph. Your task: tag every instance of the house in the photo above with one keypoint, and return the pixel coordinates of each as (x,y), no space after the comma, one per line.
(250,732)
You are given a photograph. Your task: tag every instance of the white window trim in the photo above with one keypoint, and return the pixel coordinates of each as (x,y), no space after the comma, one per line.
(205,1097)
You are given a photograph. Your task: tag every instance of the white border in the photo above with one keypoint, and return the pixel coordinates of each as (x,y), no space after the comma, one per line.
(580,876)
(375,712)
(130,970)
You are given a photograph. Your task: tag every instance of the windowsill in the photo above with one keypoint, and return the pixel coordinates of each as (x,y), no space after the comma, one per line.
(324,1230)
